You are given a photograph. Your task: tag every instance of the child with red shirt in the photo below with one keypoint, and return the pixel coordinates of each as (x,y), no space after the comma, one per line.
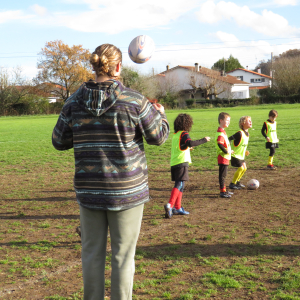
(224,152)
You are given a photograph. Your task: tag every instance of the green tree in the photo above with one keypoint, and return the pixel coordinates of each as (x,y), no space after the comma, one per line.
(230,64)
(129,77)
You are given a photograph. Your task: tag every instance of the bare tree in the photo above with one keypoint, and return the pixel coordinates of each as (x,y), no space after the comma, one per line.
(14,88)
(208,82)
(287,75)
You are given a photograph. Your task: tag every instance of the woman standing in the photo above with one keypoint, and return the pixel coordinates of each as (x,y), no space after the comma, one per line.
(105,123)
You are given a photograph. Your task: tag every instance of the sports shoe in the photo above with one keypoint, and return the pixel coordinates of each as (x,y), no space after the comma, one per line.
(271,167)
(168,211)
(239,184)
(234,186)
(179,211)
(225,195)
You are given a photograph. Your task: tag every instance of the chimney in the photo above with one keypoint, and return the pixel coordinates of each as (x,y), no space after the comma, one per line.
(259,70)
(223,73)
(247,68)
(167,67)
(196,67)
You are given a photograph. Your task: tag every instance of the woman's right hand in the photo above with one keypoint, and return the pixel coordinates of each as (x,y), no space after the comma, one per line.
(159,107)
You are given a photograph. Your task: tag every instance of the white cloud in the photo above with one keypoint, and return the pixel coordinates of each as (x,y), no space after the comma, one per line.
(10,15)
(249,53)
(286,2)
(267,23)
(39,10)
(117,15)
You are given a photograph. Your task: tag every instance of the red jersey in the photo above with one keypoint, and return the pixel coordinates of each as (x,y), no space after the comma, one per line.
(222,141)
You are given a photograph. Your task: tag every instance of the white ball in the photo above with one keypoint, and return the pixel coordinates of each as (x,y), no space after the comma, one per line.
(253,184)
(141,49)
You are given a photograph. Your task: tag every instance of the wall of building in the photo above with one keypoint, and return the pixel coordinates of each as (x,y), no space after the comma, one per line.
(247,76)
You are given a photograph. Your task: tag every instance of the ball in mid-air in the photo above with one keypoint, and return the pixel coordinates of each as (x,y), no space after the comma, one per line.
(253,184)
(141,49)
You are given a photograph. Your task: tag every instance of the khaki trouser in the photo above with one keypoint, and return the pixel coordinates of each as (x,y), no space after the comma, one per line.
(124,227)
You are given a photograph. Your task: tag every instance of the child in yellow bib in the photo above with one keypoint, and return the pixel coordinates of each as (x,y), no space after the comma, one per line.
(269,131)
(240,143)
(180,160)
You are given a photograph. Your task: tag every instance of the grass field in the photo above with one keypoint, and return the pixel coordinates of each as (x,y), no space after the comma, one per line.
(243,248)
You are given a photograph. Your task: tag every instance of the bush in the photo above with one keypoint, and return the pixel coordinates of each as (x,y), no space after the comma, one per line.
(269,95)
(169,100)
(190,103)
(222,102)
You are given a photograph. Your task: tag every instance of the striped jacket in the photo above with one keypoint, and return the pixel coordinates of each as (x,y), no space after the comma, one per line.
(105,124)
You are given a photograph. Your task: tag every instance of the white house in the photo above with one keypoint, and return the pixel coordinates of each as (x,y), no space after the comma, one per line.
(256,79)
(209,82)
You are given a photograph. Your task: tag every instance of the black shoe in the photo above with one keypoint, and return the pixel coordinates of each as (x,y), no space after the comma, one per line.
(239,184)
(225,195)
(234,186)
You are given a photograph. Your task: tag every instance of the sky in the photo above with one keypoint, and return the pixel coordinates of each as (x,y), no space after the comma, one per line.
(184,32)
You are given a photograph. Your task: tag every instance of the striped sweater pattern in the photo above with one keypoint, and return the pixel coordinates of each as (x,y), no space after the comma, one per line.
(105,123)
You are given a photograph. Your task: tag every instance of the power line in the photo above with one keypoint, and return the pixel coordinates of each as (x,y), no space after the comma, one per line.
(17,56)
(294,37)
(183,49)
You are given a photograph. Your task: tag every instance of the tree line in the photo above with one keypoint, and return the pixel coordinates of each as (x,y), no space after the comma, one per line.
(62,69)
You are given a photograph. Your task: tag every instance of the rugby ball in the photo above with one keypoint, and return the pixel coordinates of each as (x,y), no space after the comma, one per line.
(253,184)
(141,49)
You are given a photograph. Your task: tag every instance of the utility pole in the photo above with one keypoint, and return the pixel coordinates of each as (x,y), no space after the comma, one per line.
(272,69)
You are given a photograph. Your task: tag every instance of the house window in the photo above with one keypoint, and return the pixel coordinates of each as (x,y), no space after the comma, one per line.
(257,79)
(252,80)
(238,95)
(263,79)
(239,77)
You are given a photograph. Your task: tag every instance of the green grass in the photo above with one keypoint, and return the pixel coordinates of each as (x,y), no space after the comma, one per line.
(26,141)
(206,123)
(26,148)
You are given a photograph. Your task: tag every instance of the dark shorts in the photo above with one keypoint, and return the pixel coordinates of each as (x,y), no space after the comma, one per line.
(235,162)
(271,145)
(180,173)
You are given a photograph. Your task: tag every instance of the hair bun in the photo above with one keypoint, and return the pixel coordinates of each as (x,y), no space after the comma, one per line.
(104,63)
(94,59)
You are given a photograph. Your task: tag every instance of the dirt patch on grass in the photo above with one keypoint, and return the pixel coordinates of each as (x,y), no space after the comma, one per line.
(245,247)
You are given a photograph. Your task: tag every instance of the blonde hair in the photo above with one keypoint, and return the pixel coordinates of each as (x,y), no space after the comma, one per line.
(105,59)
(243,120)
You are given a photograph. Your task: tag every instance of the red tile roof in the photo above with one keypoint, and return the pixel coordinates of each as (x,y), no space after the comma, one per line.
(256,73)
(258,87)
(209,73)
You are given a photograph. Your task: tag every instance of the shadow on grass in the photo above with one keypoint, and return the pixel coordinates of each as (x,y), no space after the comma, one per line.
(6,216)
(177,251)
(40,244)
(43,199)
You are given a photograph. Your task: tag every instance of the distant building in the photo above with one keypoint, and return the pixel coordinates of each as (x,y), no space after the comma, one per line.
(257,80)
(209,83)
